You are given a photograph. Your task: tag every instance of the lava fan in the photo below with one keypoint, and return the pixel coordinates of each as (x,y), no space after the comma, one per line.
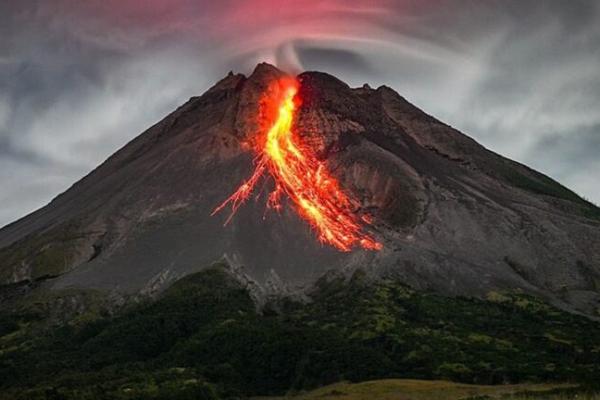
(316,194)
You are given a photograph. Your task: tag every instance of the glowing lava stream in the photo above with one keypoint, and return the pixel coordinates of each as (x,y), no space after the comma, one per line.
(315,193)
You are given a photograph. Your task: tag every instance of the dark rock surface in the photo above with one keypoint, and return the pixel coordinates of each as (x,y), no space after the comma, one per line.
(453,216)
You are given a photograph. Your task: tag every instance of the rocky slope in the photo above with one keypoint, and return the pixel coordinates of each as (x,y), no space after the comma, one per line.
(453,216)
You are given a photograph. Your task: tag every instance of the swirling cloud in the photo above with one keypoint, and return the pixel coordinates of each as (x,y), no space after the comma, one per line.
(80,79)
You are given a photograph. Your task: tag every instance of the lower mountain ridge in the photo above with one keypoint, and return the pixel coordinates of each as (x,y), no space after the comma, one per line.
(204,338)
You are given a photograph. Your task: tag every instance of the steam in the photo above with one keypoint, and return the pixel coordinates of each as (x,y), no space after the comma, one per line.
(252,31)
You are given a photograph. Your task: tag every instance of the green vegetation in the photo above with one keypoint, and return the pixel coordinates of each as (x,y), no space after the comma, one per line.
(540,184)
(204,339)
(46,254)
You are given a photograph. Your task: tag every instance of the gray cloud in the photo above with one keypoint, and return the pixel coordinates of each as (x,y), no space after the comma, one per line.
(520,77)
(80,79)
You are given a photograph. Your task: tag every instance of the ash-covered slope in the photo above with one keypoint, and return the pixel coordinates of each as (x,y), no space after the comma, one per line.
(452,216)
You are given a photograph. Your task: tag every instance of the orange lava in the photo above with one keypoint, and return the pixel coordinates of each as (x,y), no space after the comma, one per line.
(315,193)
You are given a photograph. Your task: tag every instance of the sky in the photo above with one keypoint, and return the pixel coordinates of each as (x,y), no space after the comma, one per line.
(79,79)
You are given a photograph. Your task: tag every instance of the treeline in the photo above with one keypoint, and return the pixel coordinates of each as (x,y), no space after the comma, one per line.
(204,339)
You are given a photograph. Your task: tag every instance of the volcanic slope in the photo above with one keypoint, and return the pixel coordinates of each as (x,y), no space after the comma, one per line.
(452,216)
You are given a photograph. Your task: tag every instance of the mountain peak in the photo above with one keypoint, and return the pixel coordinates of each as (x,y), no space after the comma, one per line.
(266,69)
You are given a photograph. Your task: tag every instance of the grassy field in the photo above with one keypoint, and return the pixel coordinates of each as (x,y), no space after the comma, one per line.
(412,389)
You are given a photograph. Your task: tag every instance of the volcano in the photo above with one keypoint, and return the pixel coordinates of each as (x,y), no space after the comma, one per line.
(402,195)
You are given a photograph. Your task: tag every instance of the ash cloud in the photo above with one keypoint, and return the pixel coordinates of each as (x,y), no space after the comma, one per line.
(80,79)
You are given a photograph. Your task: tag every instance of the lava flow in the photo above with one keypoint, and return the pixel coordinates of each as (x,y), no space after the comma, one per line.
(315,193)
